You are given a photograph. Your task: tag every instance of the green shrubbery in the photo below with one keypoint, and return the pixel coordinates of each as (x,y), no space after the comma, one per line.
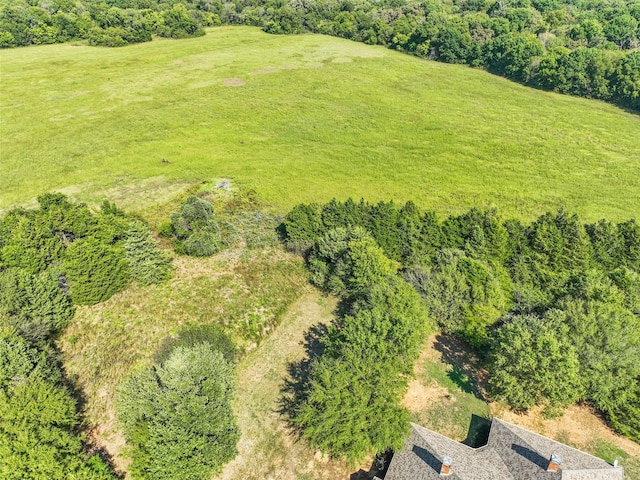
(50,259)
(34,304)
(178,415)
(146,264)
(553,298)
(197,230)
(194,229)
(350,404)
(93,254)
(38,418)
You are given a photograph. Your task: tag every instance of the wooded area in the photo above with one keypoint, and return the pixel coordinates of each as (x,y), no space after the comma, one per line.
(553,305)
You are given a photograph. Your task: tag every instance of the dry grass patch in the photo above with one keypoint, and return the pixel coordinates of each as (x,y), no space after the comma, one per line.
(268,449)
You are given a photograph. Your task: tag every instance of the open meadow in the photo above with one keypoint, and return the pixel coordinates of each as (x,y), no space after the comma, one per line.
(304,118)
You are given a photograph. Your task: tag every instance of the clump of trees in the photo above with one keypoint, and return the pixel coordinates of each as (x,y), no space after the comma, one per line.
(198,229)
(53,258)
(554,304)
(194,229)
(38,416)
(65,247)
(350,404)
(177,415)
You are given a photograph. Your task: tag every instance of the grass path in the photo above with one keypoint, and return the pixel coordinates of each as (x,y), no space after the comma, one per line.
(267,449)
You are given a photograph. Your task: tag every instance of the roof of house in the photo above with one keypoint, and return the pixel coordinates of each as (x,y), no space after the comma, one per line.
(511,453)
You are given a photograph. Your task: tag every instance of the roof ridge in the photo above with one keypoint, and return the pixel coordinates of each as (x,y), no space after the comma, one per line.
(443,436)
(555,441)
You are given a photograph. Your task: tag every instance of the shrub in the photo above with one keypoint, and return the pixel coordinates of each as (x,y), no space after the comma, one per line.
(192,335)
(178,415)
(203,243)
(146,262)
(34,304)
(38,419)
(95,271)
(194,229)
(533,362)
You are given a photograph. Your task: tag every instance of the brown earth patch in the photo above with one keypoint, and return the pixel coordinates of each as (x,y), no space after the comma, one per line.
(233,82)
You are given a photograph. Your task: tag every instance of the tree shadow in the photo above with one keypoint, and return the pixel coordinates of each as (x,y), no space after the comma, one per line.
(378,468)
(295,388)
(71,383)
(465,372)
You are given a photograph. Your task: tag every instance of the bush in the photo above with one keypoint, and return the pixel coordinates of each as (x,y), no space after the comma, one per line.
(533,362)
(203,243)
(194,229)
(34,304)
(178,415)
(146,262)
(192,335)
(95,271)
(38,419)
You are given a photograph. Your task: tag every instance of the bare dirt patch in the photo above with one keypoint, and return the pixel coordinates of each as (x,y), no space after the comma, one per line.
(579,426)
(233,82)
(420,396)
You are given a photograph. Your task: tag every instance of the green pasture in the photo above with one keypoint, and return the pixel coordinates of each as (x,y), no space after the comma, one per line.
(304,118)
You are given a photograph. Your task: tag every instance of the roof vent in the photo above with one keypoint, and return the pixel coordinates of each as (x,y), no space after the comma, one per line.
(554,463)
(446,465)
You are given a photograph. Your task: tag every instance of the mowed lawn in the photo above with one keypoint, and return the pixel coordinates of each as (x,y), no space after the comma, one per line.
(305,118)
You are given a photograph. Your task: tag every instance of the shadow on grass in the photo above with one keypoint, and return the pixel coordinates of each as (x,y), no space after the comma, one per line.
(295,389)
(71,383)
(465,370)
(378,467)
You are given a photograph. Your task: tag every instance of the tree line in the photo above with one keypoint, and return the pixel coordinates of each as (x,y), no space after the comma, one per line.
(552,305)
(587,48)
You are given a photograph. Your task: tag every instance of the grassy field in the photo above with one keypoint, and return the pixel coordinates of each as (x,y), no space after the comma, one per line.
(304,118)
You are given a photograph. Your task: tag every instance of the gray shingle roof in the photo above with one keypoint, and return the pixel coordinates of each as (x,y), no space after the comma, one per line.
(512,453)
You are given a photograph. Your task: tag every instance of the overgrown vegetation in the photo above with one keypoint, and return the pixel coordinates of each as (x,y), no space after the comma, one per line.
(581,48)
(92,255)
(350,403)
(51,259)
(38,417)
(553,302)
(178,415)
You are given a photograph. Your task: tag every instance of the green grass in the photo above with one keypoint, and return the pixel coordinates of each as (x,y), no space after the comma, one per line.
(454,407)
(304,118)
(610,452)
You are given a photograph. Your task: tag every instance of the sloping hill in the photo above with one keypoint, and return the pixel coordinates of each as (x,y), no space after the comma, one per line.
(305,118)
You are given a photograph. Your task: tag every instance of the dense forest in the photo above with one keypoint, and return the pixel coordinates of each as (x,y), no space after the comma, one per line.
(553,306)
(586,48)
